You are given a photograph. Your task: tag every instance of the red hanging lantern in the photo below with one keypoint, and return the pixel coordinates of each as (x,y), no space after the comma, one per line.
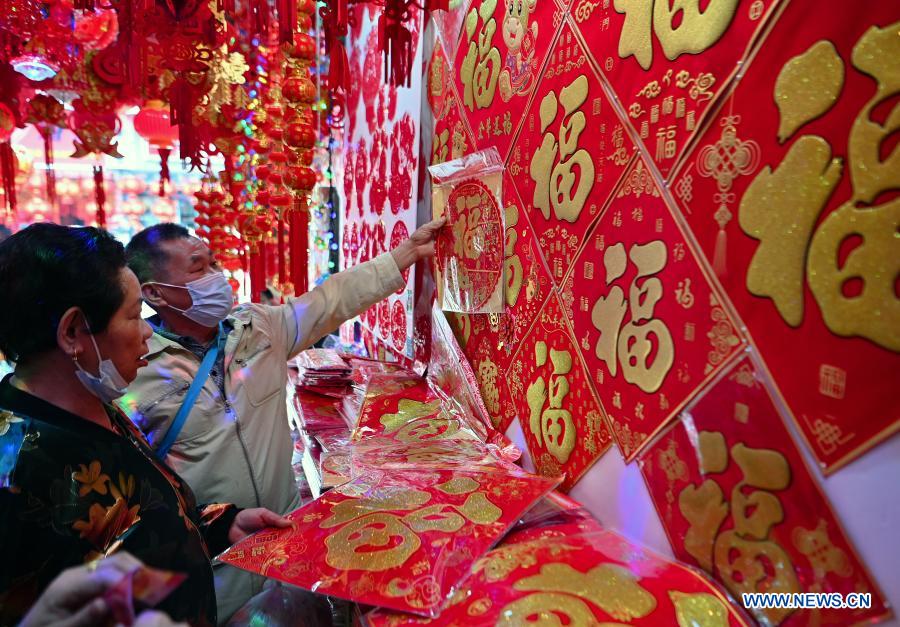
(154,124)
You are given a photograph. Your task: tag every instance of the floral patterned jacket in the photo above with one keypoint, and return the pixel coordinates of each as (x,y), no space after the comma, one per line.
(71,491)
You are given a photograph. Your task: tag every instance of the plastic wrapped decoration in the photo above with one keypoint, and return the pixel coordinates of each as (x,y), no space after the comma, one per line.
(469,251)
(597,578)
(280,606)
(400,540)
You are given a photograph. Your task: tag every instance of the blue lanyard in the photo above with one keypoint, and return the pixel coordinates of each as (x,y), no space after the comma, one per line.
(209,360)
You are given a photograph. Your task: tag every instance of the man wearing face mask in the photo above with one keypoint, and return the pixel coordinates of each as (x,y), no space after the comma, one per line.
(212,399)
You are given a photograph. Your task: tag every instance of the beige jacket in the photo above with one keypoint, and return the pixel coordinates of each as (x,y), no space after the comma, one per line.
(238,450)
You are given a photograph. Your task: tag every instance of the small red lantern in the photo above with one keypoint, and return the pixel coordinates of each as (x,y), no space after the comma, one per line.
(153,124)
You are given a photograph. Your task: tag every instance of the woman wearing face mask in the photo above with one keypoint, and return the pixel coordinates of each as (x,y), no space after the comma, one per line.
(77,479)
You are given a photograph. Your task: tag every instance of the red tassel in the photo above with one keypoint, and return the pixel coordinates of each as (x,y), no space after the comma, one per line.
(100,196)
(257,274)
(287,18)
(49,172)
(282,270)
(300,247)
(163,170)
(8,171)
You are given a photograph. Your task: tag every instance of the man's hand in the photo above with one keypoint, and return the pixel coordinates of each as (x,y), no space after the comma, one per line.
(420,245)
(252,520)
(75,597)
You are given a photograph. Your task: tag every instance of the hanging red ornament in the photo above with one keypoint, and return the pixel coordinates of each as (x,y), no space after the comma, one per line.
(8,157)
(47,113)
(153,123)
(94,129)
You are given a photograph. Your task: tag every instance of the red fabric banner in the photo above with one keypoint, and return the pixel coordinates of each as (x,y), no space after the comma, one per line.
(502,48)
(736,498)
(668,62)
(791,193)
(569,155)
(561,418)
(651,329)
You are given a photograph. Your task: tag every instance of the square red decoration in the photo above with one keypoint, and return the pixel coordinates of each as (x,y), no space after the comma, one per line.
(736,498)
(451,139)
(502,49)
(561,419)
(648,324)
(570,153)
(667,62)
(791,194)
(579,579)
(398,540)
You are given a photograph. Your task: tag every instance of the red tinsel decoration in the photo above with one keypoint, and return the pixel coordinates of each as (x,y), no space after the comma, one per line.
(8,169)
(395,41)
(100,196)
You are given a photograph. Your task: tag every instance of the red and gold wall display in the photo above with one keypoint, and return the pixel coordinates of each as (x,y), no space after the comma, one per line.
(561,418)
(397,540)
(380,185)
(736,499)
(502,48)
(790,193)
(570,153)
(651,329)
(668,62)
(585,579)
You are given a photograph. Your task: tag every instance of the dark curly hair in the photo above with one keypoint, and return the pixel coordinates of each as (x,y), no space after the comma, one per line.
(44,270)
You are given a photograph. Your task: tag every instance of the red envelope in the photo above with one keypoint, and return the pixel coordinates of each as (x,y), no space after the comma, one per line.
(597,578)
(400,539)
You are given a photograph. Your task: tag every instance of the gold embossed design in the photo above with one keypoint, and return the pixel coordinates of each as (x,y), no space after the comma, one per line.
(555,163)
(546,609)
(696,31)
(459,485)
(821,552)
(780,209)
(705,509)
(611,587)
(480,69)
(502,561)
(808,86)
(397,499)
(512,267)
(374,543)
(430,429)
(713,452)
(408,410)
(479,509)
(554,426)
(435,518)
(698,610)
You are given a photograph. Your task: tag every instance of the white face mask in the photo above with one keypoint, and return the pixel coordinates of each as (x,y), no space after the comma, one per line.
(109,385)
(211,297)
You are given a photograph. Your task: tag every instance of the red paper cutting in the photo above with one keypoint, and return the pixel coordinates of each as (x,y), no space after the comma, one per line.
(649,326)
(736,498)
(569,155)
(795,209)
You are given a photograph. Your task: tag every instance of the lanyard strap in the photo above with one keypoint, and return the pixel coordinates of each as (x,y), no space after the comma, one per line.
(209,359)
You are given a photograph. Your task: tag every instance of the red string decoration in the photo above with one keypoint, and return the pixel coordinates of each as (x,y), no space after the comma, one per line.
(164,170)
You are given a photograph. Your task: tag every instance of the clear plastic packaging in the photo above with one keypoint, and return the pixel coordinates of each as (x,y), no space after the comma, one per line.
(469,251)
